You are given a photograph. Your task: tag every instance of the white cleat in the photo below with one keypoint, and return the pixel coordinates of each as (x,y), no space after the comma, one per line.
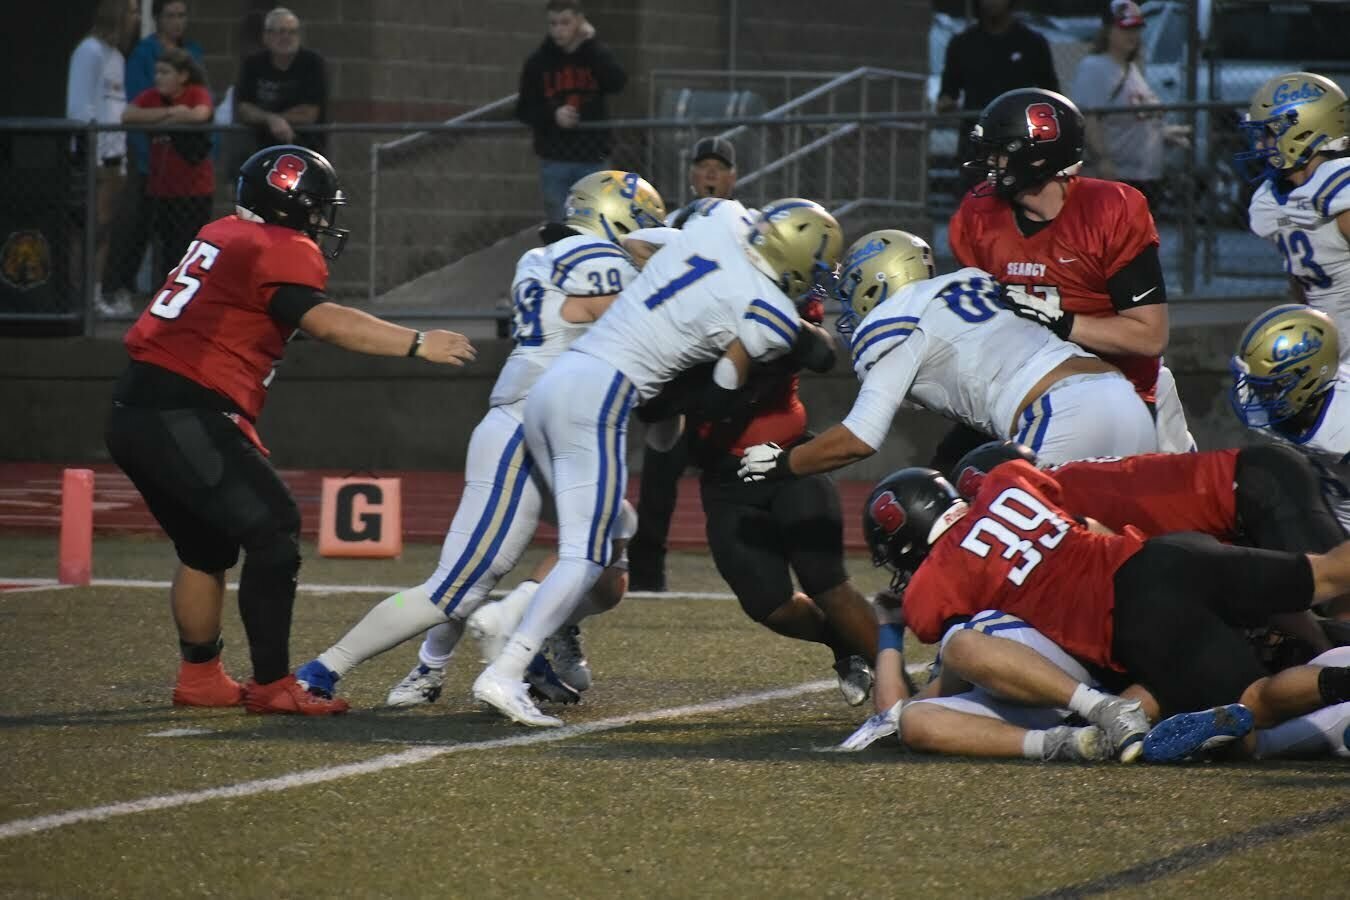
(489,630)
(568,659)
(511,699)
(422,686)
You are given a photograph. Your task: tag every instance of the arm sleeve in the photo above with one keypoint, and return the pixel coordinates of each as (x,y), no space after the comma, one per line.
(1132,230)
(140,71)
(532,107)
(292,262)
(953,80)
(958,238)
(883,390)
(1139,283)
(657,236)
(246,87)
(290,302)
(82,85)
(769,327)
(608,71)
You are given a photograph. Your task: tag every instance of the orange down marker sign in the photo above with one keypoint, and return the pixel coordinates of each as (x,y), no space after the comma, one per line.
(361,517)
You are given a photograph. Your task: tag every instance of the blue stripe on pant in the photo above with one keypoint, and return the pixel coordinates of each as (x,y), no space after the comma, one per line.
(1035,421)
(609,488)
(513,473)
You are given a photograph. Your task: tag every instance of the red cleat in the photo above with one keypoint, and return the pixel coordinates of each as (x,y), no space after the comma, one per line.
(206,684)
(287,697)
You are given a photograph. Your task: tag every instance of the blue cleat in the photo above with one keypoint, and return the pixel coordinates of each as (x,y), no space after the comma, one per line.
(546,685)
(318,679)
(1184,736)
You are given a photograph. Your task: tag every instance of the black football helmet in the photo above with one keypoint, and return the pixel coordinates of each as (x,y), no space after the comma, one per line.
(905,513)
(1024,138)
(296,188)
(983,459)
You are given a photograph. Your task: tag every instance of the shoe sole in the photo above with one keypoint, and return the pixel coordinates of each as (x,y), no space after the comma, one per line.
(1182,736)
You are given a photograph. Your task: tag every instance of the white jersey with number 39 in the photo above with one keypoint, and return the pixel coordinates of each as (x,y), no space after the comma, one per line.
(1302,224)
(694,297)
(577,266)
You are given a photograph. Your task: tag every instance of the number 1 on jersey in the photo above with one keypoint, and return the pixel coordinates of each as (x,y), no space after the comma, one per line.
(185,280)
(698,267)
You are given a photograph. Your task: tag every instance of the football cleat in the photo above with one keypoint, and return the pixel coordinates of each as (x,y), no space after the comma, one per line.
(1188,735)
(1067,744)
(546,685)
(569,660)
(287,696)
(1125,725)
(511,699)
(422,685)
(206,684)
(318,679)
(855,679)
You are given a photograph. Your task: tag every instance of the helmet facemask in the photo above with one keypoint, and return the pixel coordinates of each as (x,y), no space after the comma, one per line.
(323,224)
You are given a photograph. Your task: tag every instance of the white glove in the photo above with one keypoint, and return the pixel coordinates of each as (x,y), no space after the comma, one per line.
(874,729)
(763,462)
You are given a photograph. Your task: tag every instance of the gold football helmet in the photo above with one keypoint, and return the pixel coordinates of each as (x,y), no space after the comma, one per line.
(875,267)
(1287,358)
(798,242)
(1293,116)
(613,204)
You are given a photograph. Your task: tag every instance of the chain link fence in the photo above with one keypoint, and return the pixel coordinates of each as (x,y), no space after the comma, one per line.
(440,215)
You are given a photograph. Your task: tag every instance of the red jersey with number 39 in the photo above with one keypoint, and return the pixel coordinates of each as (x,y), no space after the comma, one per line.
(211,322)
(1103,226)
(1017,550)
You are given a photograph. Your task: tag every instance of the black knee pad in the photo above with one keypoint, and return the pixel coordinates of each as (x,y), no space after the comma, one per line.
(1280,501)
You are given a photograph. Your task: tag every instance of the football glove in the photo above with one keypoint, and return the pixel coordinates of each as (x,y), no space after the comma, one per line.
(764,462)
(881,725)
(1041,310)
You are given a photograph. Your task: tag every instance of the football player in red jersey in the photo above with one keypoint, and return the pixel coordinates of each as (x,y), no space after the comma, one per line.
(181,428)
(1079,255)
(1160,610)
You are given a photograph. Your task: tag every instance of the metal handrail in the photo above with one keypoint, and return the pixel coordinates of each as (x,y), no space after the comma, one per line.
(820,91)
(406,141)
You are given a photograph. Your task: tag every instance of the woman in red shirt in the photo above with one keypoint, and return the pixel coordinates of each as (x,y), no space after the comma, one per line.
(182,180)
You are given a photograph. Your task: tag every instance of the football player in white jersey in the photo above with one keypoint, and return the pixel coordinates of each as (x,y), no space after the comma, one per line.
(558,291)
(1289,384)
(1297,126)
(718,291)
(949,345)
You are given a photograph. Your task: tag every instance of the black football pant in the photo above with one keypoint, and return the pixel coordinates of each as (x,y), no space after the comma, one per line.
(214,493)
(659,489)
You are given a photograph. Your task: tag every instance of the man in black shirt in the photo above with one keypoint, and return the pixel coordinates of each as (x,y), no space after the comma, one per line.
(282,86)
(996,54)
(563,84)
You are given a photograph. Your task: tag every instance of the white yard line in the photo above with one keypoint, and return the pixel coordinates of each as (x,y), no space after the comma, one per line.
(50,583)
(21,827)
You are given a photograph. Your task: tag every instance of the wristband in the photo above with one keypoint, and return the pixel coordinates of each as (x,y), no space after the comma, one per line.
(417,343)
(890,637)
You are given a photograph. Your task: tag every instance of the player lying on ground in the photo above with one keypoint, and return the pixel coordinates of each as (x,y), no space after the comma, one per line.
(559,291)
(949,345)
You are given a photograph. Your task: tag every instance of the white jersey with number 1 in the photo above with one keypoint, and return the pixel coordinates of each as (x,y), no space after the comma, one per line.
(695,296)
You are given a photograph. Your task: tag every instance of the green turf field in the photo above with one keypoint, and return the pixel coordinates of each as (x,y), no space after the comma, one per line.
(696,767)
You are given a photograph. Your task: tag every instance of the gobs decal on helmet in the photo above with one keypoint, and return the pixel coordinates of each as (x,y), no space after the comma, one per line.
(887,513)
(286,172)
(1042,122)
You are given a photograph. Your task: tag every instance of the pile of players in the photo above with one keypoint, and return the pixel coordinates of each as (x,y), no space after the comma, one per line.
(1055,594)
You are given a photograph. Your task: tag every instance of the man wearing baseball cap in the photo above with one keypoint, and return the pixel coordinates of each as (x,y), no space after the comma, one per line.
(712,173)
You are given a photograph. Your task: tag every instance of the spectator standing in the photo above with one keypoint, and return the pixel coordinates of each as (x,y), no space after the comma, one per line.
(282,86)
(712,175)
(996,54)
(182,180)
(95,92)
(1124,147)
(563,84)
